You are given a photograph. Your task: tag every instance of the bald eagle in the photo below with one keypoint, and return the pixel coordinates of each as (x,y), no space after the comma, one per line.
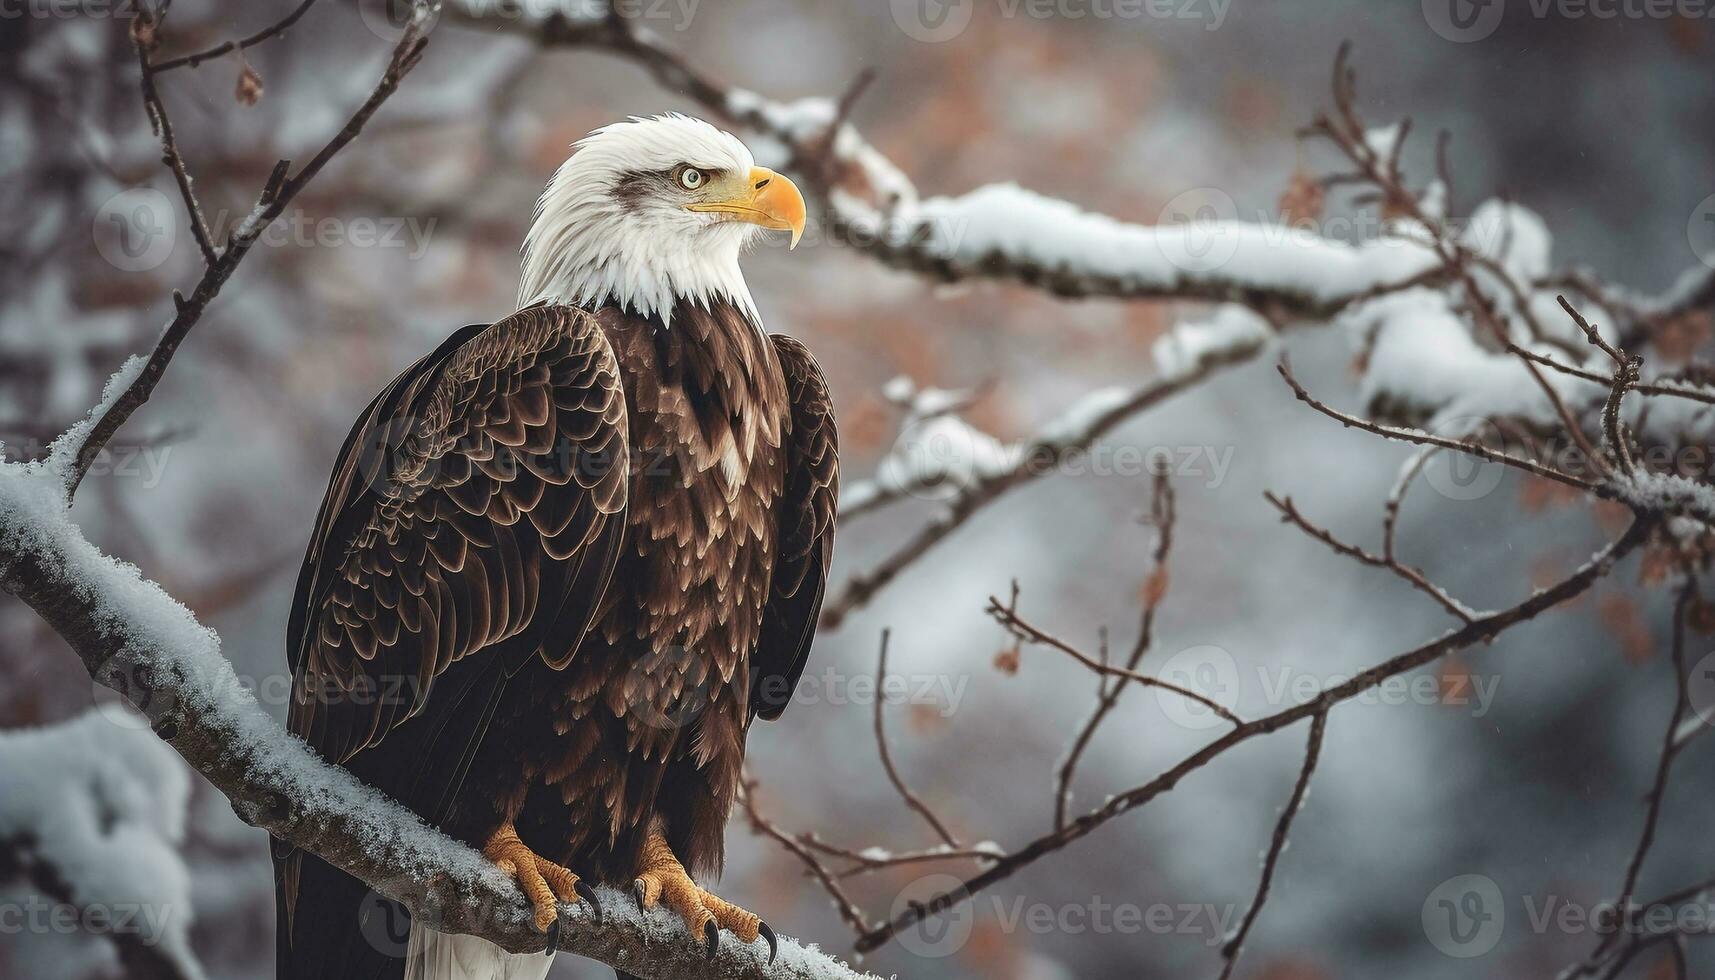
(566,559)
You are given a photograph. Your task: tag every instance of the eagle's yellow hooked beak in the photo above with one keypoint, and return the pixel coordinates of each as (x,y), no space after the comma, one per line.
(765,198)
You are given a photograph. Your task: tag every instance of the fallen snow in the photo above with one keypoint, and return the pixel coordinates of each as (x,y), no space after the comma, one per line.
(103,807)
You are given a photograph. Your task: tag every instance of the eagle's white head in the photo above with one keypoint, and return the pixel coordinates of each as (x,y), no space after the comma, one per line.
(649,211)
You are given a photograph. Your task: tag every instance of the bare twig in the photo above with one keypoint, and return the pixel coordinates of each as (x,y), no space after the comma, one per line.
(1619,357)
(911,799)
(1036,458)
(1484,629)
(276,194)
(1163,515)
(1289,512)
(1396,497)
(1626,915)
(1277,845)
(277,29)
(1421,438)
(1656,389)
(1033,634)
(830,882)
(145,34)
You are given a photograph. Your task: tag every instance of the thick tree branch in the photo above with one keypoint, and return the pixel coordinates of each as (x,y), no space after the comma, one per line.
(870,205)
(130,635)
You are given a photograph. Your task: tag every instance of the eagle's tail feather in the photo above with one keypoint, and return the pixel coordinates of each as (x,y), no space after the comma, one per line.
(432,955)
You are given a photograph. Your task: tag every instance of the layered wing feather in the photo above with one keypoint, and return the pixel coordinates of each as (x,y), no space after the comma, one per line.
(476,510)
(805,514)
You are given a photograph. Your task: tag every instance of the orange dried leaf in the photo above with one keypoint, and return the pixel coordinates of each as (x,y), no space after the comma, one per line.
(1687,34)
(249,87)
(143,31)
(925,718)
(1679,338)
(1657,565)
(1154,588)
(1620,617)
(1455,682)
(1303,199)
(1537,494)
(1612,516)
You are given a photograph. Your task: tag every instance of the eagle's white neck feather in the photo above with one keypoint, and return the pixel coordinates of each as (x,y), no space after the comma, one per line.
(588,245)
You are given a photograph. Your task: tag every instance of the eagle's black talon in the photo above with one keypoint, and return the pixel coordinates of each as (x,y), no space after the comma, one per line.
(587,893)
(553,938)
(773,941)
(637,893)
(713,933)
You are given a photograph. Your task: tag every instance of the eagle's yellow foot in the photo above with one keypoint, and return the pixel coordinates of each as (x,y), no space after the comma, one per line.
(544,882)
(664,879)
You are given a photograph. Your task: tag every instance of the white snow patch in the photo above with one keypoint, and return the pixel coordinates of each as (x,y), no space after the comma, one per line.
(103,807)
(1021,225)
(1229,329)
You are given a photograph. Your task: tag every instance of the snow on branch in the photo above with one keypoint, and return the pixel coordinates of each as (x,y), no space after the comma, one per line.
(1452,323)
(1479,295)
(133,637)
(92,815)
(940,456)
(1002,231)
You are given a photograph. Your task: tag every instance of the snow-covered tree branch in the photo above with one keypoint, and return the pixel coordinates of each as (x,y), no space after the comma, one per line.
(1472,345)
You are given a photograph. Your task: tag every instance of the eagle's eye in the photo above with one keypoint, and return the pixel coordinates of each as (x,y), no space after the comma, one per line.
(690,178)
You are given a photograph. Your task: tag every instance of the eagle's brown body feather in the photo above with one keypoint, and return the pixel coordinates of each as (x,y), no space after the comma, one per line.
(595,554)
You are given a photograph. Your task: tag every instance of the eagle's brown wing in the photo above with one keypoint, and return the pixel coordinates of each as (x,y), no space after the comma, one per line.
(806,544)
(475,510)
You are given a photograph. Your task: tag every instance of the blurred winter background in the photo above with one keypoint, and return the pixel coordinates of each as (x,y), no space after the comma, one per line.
(1600,125)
